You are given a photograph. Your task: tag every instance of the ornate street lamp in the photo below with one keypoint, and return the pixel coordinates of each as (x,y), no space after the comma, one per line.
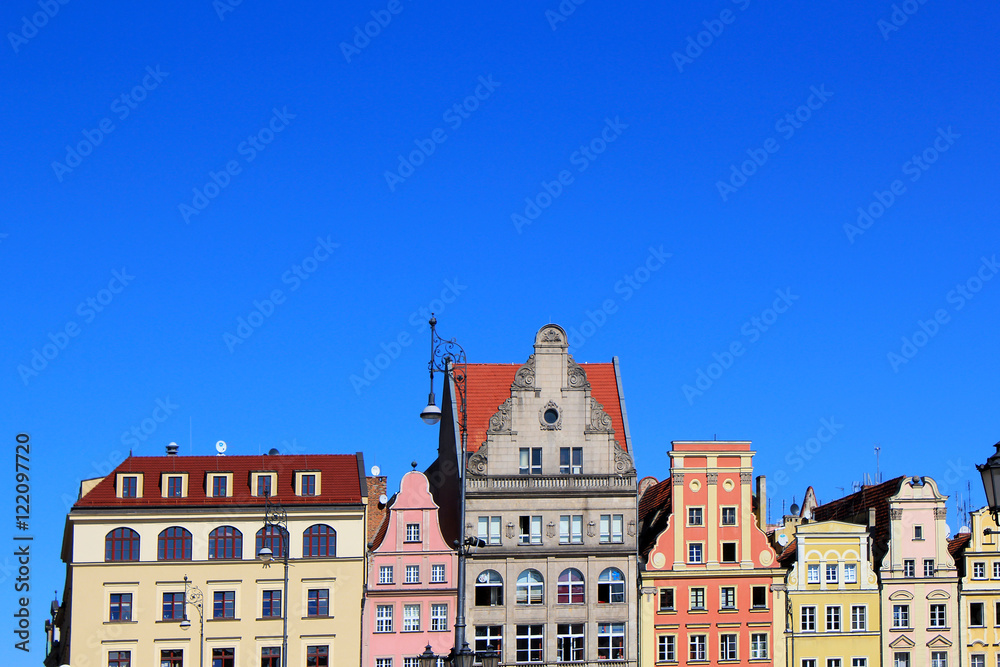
(276,517)
(194,597)
(991,482)
(427,658)
(490,659)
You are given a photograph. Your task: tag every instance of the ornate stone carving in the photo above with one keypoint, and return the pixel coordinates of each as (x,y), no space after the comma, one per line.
(576,376)
(546,426)
(940,512)
(551,335)
(895,514)
(623,462)
(677,477)
(745,477)
(500,421)
(525,376)
(713,478)
(478,461)
(600,421)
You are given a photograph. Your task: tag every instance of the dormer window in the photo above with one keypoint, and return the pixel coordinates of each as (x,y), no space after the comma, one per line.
(174,484)
(219,485)
(308,483)
(129,485)
(175,487)
(263,484)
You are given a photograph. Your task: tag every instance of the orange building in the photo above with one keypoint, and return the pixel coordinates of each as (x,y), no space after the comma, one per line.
(711,586)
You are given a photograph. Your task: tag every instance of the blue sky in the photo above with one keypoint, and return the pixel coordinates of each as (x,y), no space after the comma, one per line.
(276,147)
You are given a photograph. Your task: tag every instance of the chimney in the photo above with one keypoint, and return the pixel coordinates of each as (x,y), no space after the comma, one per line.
(762,503)
(172,449)
(376,509)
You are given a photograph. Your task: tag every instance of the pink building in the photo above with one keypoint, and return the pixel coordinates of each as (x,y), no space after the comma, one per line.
(411,592)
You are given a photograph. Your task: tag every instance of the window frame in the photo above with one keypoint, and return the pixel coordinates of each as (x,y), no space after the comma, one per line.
(383,618)
(232,539)
(807,618)
(121,545)
(611,585)
(269,599)
(611,640)
(319,541)
(529,460)
(569,588)
(318,603)
(167,544)
(224,605)
(569,462)
(122,605)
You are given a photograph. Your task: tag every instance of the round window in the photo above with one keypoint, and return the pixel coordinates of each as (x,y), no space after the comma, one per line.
(551,416)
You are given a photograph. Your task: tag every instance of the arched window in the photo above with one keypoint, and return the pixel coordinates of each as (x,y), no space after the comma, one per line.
(174,543)
(530,587)
(271,537)
(225,543)
(611,586)
(318,541)
(121,544)
(571,587)
(489,589)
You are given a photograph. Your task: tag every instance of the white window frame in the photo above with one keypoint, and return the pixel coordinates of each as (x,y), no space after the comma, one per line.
(696,553)
(439,616)
(833,618)
(697,648)
(571,529)
(411,574)
(386,574)
(812,574)
(666,648)
(901,616)
(728,646)
(859,618)
(807,618)
(850,573)
(412,532)
(383,618)
(411,618)
(612,528)
(832,574)
(758,646)
(438,573)
(490,530)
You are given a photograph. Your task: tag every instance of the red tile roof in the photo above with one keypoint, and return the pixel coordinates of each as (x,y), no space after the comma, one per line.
(340,482)
(854,509)
(654,511)
(788,553)
(958,543)
(488,386)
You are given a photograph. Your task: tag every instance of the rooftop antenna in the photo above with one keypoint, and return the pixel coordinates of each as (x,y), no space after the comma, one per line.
(191,434)
(878,473)
(841,490)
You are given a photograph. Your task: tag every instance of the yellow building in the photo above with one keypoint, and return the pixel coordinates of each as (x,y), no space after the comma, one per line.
(134,536)
(833,595)
(978,557)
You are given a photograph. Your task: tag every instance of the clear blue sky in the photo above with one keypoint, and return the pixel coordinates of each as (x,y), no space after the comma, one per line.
(611,122)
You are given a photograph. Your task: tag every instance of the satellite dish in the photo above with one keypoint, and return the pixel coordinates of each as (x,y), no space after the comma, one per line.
(947,529)
(383,499)
(964,529)
(783,540)
(220,447)
(375,471)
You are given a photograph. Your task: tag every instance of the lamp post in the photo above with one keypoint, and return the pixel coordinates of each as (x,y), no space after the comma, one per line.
(194,597)
(276,517)
(990,472)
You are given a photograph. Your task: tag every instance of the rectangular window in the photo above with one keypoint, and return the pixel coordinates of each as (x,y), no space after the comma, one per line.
(270,656)
(439,617)
(383,618)
(979,570)
(729,552)
(611,528)
(979,660)
(666,599)
(813,574)
(384,662)
(412,574)
(808,619)
(938,617)
(571,460)
(833,662)
(666,648)
(316,656)
(939,659)
(697,598)
(172,657)
(694,552)
(697,648)
(529,640)
(808,662)
(121,607)
(859,662)
(530,461)
(175,487)
(610,641)
(571,529)
(489,530)
(385,574)
(758,599)
(119,659)
(997,618)
(901,659)
(308,485)
(569,642)
(411,618)
(271,607)
(918,532)
(489,638)
(412,532)
(901,616)
(219,486)
(318,603)
(859,617)
(758,646)
(909,568)
(977,614)
(831,574)
(224,604)
(695,516)
(130,487)
(996,569)
(727,647)
(850,574)
(728,516)
(437,573)
(531,530)
(727,597)
(833,619)
(226,657)
(264,486)
(173,606)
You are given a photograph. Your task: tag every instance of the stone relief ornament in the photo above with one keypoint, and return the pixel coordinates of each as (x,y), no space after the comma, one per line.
(746,477)
(550,411)
(940,512)
(677,477)
(478,461)
(895,514)
(576,376)
(525,377)
(600,421)
(500,421)
(713,478)
(551,335)
(623,462)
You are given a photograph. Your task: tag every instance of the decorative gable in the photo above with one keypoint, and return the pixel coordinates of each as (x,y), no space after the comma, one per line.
(939,642)
(902,641)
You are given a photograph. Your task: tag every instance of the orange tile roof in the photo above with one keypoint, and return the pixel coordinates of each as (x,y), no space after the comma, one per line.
(340,480)
(788,552)
(958,543)
(655,506)
(488,386)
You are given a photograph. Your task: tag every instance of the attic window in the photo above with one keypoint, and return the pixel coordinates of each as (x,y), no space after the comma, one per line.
(128,485)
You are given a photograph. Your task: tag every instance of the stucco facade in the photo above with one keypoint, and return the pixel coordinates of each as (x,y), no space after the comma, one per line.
(979,596)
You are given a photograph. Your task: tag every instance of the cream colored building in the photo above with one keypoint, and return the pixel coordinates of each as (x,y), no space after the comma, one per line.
(133,536)
(978,556)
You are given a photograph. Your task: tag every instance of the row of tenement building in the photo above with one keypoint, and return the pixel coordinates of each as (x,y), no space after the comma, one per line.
(578,560)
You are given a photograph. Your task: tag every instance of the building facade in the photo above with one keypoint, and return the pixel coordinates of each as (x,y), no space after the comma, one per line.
(551,491)
(978,559)
(136,535)
(411,592)
(712,589)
